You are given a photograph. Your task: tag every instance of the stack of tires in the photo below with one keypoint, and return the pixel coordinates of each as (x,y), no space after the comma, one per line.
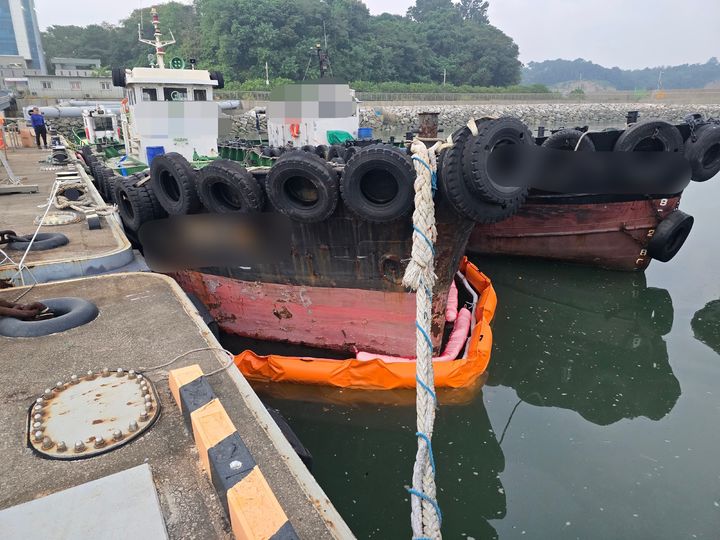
(477,186)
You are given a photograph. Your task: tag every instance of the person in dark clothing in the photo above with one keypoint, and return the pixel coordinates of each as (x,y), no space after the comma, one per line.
(38,123)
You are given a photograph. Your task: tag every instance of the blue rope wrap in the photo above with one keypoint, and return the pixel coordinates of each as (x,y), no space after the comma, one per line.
(429,243)
(433,174)
(424,497)
(426,388)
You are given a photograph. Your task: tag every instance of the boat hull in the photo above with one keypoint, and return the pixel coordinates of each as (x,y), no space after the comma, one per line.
(585,229)
(339,287)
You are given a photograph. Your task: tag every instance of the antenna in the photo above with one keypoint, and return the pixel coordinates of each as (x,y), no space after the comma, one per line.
(157,42)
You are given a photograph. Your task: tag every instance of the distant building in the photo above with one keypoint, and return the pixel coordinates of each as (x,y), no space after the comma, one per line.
(77,67)
(20,34)
(64,87)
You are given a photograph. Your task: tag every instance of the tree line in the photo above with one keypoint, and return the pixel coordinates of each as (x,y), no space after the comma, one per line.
(552,72)
(436,40)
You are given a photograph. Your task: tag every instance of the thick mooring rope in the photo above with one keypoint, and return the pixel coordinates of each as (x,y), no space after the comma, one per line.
(83,204)
(420,276)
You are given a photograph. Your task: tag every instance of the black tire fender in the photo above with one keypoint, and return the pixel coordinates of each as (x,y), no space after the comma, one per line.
(119,77)
(173,181)
(336,151)
(670,235)
(217,76)
(69,313)
(454,188)
(567,139)
(135,204)
(650,136)
(704,152)
(303,187)
(378,184)
(226,186)
(479,168)
(43,241)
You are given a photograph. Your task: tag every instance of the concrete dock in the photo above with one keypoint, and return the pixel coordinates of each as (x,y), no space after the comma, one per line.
(146,320)
(89,252)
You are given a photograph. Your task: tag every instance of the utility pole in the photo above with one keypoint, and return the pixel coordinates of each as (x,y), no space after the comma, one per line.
(444,76)
(267,74)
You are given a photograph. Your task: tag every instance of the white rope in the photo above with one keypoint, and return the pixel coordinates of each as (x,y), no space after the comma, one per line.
(84,203)
(420,276)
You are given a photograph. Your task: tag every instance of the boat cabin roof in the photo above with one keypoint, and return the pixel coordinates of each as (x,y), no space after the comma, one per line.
(145,75)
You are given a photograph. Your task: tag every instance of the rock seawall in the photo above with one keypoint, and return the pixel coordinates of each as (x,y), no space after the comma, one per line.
(398,119)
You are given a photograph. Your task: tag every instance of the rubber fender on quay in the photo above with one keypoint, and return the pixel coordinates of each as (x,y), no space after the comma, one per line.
(703,153)
(173,181)
(226,186)
(378,184)
(670,235)
(302,186)
(43,241)
(454,189)
(482,171)
(69,313)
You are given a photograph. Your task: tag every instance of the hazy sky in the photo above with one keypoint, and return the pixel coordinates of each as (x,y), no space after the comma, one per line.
(624,33)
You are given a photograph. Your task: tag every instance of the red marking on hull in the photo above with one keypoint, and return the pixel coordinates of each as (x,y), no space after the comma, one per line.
(333,318)
(611,235)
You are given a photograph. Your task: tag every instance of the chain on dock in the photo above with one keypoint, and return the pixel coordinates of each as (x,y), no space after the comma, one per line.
(426,517)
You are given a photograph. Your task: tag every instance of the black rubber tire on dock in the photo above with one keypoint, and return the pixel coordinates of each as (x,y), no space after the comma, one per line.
(173,181)
(454,188)
(225,186)
(650,136)
(479,170)
(670,235)
(69,313)
(567,139)
(378,184)
(303,187)
(43,241)
(704,153)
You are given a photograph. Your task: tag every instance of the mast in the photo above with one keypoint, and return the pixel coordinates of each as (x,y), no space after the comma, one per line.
(157,42)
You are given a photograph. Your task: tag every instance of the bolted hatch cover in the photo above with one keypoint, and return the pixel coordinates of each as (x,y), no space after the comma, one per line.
(92,414)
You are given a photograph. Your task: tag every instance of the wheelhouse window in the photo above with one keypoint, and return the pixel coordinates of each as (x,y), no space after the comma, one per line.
(149,94)
(74,85)
(200,95)
(175,94)
(46,84)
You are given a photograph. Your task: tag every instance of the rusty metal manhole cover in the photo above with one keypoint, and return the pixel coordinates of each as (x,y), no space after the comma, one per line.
(92,414)
(58,218)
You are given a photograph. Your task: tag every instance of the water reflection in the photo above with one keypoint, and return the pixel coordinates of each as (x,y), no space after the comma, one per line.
(363,454)
(706,325)
(584,340)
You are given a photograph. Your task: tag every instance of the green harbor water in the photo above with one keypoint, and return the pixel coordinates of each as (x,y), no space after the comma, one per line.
(599,417)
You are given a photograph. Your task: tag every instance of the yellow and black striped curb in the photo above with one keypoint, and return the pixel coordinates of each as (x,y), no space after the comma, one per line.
(254,511)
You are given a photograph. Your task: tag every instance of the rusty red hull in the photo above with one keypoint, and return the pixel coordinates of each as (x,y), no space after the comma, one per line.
(580,229)
(332,318)
(339,287)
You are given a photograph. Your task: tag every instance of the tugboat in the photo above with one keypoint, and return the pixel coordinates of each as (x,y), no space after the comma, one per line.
(342,208)
(613,231)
